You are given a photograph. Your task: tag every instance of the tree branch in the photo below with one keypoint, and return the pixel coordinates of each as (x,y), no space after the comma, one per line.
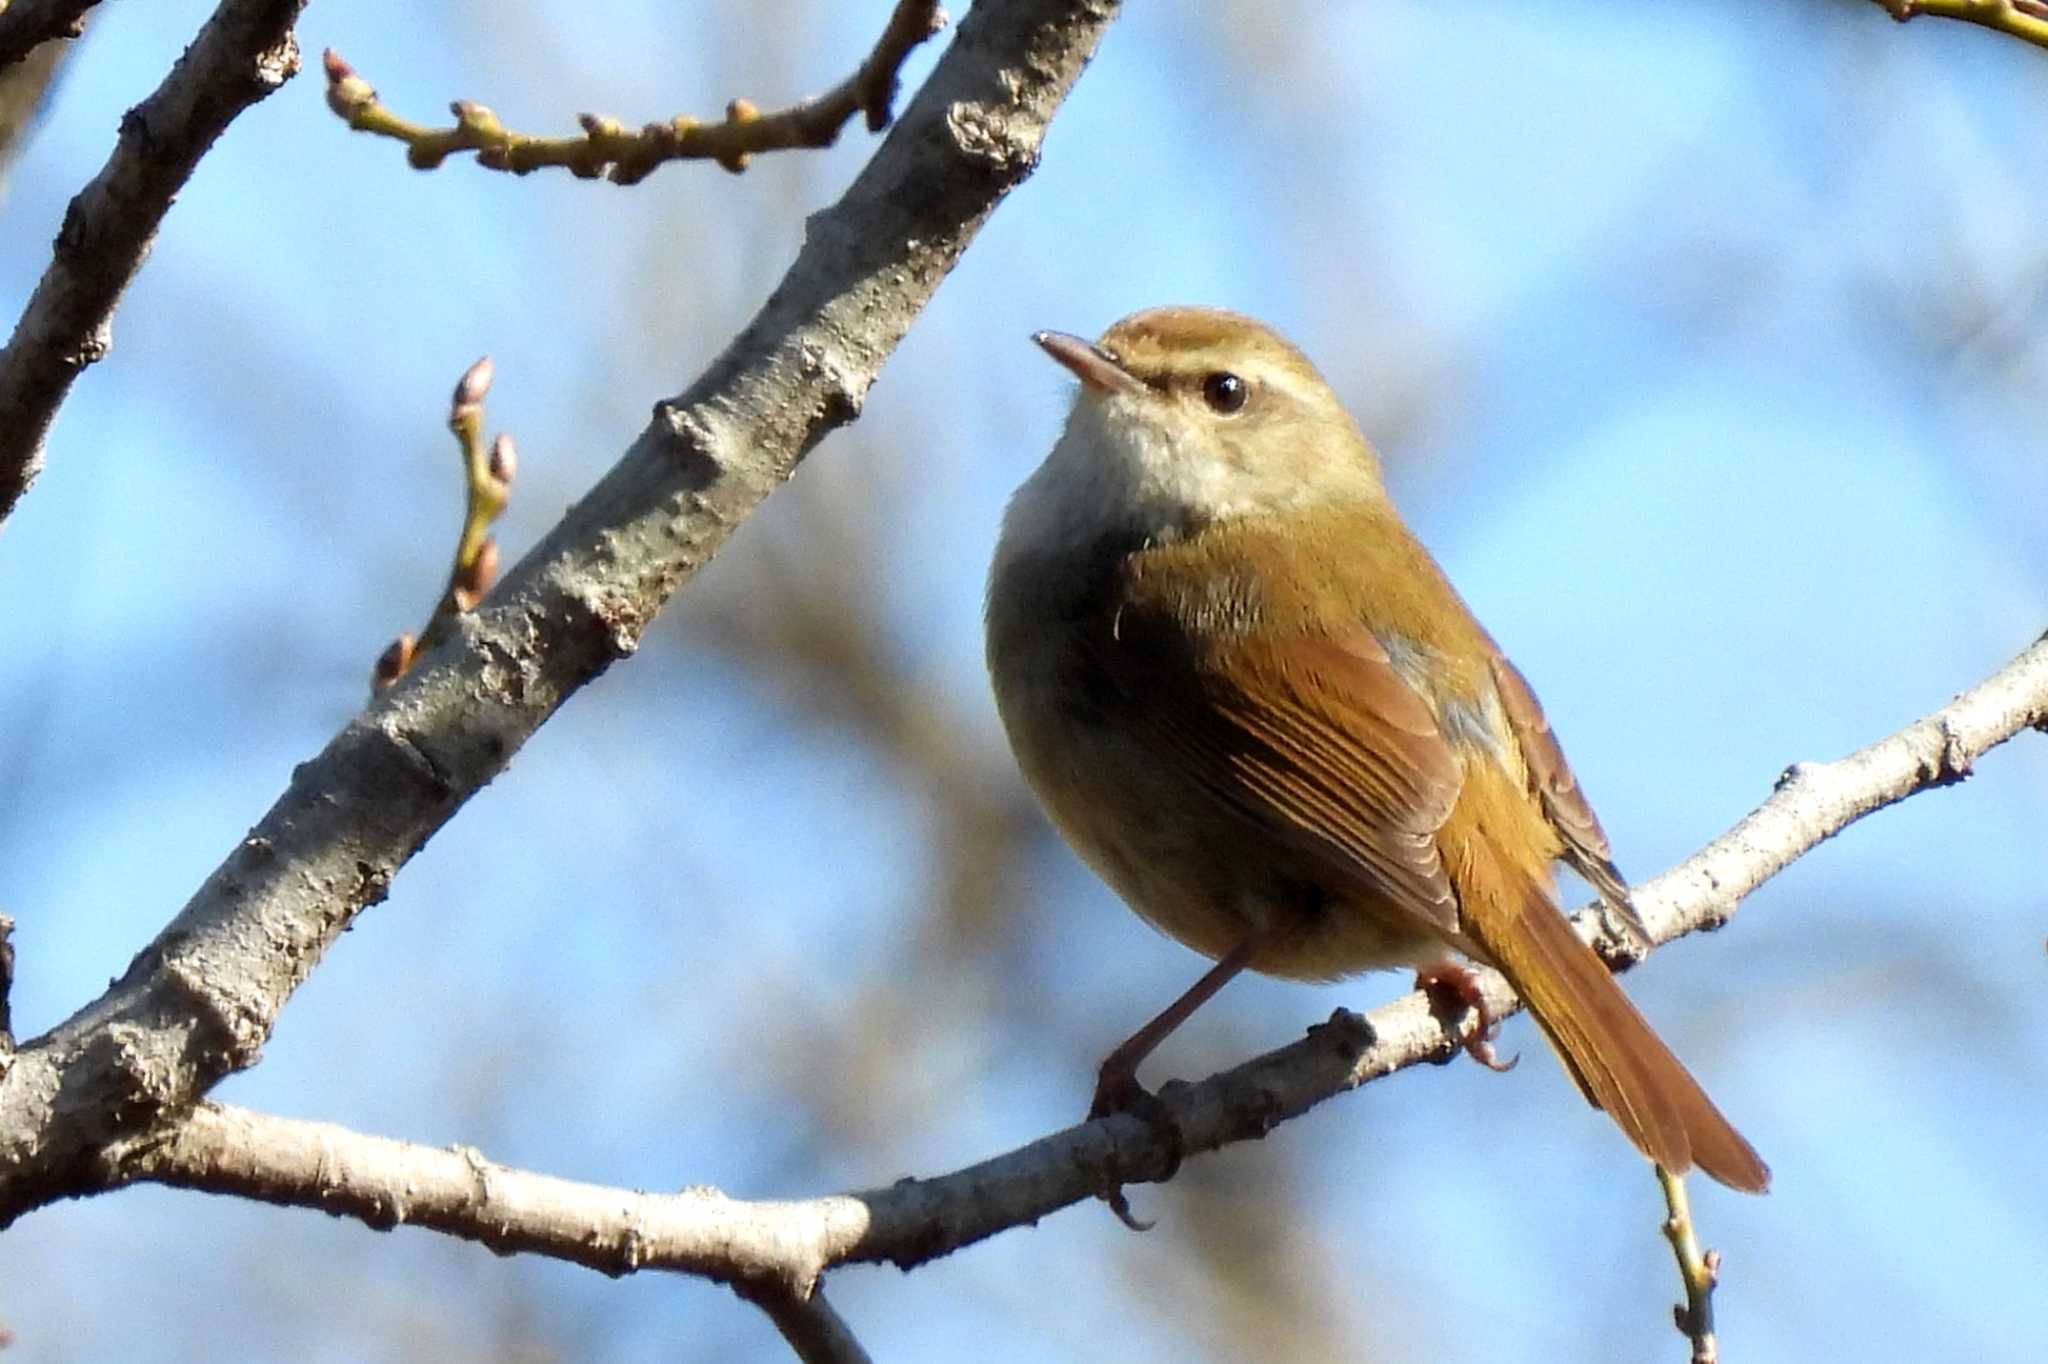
(245,51)
(626,158)
(27,24)
(384,1183)
(2026,20)
(783,1248)
(200,1000)
(817,1333)
(487,470)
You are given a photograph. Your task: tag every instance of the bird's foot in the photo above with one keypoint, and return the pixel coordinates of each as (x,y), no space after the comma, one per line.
(1117,1091)
(1456,985)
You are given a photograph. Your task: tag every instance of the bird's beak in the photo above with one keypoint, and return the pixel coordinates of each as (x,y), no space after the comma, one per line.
(1091,364)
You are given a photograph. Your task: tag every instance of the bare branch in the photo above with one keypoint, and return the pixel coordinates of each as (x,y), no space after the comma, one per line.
(245,51)
(2026,20)
(607,148)
(1816,801)
(817,1333)
(200,1000)
(26,24)
(784,1247)
(1700,1272)
(386,1183)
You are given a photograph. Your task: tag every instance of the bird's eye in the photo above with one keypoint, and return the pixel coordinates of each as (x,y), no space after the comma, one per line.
(1225,392)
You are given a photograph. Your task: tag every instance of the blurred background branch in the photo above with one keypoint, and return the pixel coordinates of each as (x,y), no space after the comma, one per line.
(26,25)
(24,86)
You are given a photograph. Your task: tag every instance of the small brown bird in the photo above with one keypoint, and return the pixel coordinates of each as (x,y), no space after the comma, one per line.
(1252,702)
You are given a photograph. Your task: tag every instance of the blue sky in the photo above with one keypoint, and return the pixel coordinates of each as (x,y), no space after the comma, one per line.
(1703,346)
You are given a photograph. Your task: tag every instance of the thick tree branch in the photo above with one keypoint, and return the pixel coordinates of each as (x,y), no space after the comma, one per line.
(387,1183)
(200,1000)
(245,51)
(770,1248)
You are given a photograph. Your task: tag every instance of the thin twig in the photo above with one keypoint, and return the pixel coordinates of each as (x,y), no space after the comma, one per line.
(1695,1318)
(817,1332)
(608,148)
(487,472)
(2026,20)
(245,51)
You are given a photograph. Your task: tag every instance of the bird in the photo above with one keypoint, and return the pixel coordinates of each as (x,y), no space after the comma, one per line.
(1249,698)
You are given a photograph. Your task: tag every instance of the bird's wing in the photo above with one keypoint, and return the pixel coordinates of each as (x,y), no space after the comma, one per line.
(1317,740)
(1551,780)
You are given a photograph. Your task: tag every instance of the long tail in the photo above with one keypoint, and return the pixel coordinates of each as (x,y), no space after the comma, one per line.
(1618,1060)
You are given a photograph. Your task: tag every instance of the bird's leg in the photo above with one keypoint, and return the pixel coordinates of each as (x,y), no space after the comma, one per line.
(1116,1084)
(1457,984)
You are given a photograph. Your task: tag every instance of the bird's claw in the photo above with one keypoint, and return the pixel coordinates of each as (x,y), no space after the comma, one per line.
(1455,984)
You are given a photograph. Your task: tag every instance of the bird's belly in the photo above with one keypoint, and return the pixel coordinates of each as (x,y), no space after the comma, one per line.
(1198,871)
